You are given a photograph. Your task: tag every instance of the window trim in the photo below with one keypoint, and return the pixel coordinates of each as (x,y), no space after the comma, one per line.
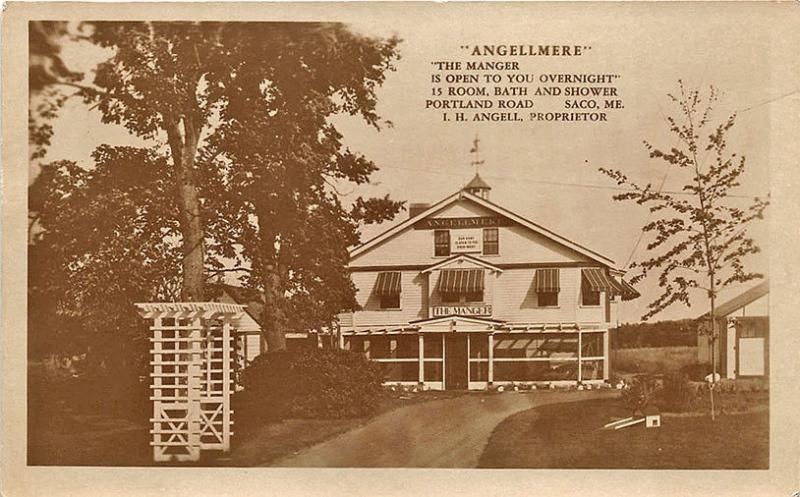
(496,241)
(599,299)
(435,254)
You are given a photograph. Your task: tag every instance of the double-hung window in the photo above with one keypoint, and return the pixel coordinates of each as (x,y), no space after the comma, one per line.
(547,285)
(441,242)
(491,241)
(387,289)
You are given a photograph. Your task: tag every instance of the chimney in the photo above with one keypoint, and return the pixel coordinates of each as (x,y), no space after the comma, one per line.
(416,209)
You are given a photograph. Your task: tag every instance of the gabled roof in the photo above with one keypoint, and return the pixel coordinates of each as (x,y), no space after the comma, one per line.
(741,300)
(251,299)
(360,249)
(456,317)
(463,257)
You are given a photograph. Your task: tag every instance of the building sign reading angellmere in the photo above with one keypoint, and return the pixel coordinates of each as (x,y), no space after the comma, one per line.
(461,310)
(433,223)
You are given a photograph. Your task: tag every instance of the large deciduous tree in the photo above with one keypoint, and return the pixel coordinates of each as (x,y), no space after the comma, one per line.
(155,85)
(243,166)
(281,158)
(107,237)
(699,234)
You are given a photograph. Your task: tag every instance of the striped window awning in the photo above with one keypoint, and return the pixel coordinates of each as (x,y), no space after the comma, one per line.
(596,280)
(460,281)
(388,283)
(547,280)
(627,291)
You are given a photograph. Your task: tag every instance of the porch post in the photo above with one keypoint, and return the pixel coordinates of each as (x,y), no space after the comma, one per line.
(421,359)
(341,340)
(226,384)
(580,354)
(490,377)
(606,355)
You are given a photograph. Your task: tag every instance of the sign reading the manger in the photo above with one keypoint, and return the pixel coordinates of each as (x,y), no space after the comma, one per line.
(461,310)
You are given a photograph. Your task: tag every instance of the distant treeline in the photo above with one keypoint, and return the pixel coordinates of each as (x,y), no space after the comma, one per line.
(661,334)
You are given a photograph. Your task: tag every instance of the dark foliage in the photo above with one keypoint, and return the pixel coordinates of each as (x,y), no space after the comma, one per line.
(677,394)
(48,76)
(54,401)
(639,394)
(696,372)
(661,334)
(316,383)
(153,223)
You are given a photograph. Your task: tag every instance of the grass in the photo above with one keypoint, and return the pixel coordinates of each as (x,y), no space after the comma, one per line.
(568,436)
(652,360)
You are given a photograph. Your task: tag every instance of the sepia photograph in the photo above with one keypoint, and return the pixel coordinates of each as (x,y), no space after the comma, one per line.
(395,238)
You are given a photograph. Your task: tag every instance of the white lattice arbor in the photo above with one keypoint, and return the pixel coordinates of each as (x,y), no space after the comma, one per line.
(191,377)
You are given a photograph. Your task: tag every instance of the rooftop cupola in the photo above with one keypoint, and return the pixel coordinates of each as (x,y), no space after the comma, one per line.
(478,187)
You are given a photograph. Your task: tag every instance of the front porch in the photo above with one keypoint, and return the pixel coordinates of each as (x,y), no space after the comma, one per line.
(458,353)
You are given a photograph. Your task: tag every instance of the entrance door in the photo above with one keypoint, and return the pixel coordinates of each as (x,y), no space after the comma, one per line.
(456,365)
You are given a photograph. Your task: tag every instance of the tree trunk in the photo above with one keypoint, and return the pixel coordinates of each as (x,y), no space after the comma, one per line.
(713,345)
(272,317)
(192,231)
(191,224)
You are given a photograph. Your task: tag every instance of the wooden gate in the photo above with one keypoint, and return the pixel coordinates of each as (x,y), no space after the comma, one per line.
(191,380)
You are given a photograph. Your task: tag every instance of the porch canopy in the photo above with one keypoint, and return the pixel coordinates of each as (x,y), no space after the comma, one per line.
(460,281)
(388,283)
(546,281)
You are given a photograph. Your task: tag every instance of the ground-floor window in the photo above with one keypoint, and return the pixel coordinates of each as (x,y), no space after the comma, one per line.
(557,356)
(400,371)
(399,355)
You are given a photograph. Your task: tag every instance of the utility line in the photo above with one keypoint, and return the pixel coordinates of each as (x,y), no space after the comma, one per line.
(546,182)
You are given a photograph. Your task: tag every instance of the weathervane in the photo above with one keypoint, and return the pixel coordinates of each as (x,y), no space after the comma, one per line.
(474,150)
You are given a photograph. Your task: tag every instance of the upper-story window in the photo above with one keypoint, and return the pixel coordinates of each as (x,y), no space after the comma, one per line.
(491,241)
(589,297)
(390,301)
(547,285)
(462,298)
(388,287)
(594,281)
(441,242)
(460,285)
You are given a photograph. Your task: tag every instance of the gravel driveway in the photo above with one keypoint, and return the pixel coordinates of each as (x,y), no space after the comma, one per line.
(447,433)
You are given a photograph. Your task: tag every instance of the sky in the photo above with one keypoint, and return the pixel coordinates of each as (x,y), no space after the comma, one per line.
(546,172)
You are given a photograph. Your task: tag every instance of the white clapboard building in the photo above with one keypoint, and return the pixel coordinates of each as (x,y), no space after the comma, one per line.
(467,294)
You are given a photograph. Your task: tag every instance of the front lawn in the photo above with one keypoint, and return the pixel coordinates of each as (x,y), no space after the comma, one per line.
(568,436)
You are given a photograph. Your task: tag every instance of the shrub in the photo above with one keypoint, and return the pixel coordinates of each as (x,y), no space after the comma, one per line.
(315,383)
(677,394)
(696,372)
(639,394)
